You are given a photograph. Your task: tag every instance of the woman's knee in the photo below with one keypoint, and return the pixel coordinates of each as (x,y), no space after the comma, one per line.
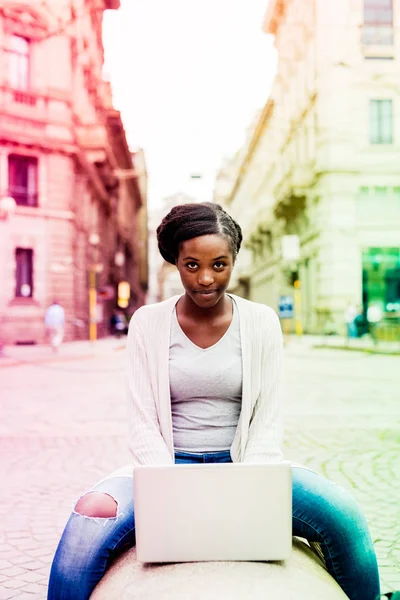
(328,507)
(97,504)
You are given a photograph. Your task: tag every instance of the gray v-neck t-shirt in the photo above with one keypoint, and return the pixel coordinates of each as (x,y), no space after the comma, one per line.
(206,389)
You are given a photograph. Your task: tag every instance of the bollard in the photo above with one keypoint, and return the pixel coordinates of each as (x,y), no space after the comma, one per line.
(302,577)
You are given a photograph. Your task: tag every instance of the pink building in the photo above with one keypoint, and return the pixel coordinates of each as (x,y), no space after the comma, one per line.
(79,192)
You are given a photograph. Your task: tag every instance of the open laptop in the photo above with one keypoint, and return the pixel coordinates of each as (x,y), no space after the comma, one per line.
(217,511)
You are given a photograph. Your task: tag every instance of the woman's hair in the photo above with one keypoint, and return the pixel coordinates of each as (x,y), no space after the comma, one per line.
(187,221)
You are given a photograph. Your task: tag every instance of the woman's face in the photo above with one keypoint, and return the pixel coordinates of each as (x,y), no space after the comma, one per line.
(205,265)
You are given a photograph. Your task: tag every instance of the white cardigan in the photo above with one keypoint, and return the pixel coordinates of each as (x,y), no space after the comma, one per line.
(259,433)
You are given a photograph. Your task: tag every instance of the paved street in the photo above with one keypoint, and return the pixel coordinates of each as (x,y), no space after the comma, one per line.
(63,426)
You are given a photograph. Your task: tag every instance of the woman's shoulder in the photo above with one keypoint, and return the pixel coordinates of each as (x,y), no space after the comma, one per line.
(260,321)
(256,309)
(152,311)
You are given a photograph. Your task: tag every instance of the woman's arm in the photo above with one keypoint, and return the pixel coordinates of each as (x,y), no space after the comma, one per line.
(265,440)
(146,442)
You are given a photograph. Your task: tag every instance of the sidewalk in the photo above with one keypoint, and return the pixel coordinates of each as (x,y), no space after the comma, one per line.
(69,351)
(85,349)
(337,342)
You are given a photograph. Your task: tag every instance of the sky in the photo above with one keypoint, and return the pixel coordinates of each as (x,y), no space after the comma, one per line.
(188,77)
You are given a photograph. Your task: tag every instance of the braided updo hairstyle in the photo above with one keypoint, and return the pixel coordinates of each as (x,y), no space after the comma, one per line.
(187,221)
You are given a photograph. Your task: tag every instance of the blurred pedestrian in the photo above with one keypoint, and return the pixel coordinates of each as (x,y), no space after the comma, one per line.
(118,323)
(54,320)
(350,316)
(361,322)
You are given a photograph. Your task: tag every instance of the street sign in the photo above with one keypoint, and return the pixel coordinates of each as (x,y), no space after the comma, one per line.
(286,307)
(290,248)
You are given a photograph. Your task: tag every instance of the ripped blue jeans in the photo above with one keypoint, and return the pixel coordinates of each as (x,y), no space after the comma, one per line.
(323,513)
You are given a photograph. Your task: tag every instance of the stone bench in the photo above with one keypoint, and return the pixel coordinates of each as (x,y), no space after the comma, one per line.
(302,577)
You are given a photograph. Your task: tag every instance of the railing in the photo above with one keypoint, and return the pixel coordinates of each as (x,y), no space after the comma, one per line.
(24,97)
(36,106)
(388,331)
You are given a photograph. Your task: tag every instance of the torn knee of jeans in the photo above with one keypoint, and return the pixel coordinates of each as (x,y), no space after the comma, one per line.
(97,505)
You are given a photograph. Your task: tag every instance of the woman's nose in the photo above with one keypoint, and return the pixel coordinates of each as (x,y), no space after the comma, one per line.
(205,277)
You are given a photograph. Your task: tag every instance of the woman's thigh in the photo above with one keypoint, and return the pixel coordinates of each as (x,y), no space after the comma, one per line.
(320,505)
(325,513)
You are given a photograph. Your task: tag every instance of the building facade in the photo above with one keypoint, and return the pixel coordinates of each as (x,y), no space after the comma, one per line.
(75,218)
(323,163)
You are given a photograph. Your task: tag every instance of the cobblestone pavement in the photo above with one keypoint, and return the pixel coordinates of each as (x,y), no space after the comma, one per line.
(63,426)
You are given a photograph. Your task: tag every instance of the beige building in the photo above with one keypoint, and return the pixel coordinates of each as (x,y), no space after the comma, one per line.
(72,194)
(323,163)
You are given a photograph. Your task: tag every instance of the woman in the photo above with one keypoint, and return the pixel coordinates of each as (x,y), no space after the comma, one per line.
(204,383)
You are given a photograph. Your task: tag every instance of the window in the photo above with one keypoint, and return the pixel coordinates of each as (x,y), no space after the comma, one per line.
(378,204)
(381,122)
(378,22)
(19,62)
(22,179)
(381,278)
(24,273)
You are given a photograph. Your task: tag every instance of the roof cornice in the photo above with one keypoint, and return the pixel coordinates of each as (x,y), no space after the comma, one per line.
(259,130)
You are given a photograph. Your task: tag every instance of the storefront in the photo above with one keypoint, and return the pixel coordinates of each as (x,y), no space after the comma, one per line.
(381,284)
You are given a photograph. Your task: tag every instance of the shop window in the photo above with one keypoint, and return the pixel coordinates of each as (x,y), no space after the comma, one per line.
(24,273)
(381,122)
(19,62)
(378,22)
(381,278)
(22,179)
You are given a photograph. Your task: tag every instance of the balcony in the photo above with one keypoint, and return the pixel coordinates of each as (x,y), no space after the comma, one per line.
(28,114)
(23,97)
(289,209)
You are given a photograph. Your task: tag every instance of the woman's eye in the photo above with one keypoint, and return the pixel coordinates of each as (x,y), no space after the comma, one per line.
(219,265)
(191,265)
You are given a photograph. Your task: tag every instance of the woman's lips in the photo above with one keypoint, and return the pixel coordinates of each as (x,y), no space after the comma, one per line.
(206,292)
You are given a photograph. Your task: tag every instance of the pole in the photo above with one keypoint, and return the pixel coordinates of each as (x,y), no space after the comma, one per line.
(286,327)
(92,305)
(298,308)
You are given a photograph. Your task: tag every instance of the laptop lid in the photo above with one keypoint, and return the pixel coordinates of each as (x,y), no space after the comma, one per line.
(203,512)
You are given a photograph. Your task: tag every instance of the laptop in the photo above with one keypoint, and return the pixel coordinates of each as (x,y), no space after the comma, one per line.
(217,511)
